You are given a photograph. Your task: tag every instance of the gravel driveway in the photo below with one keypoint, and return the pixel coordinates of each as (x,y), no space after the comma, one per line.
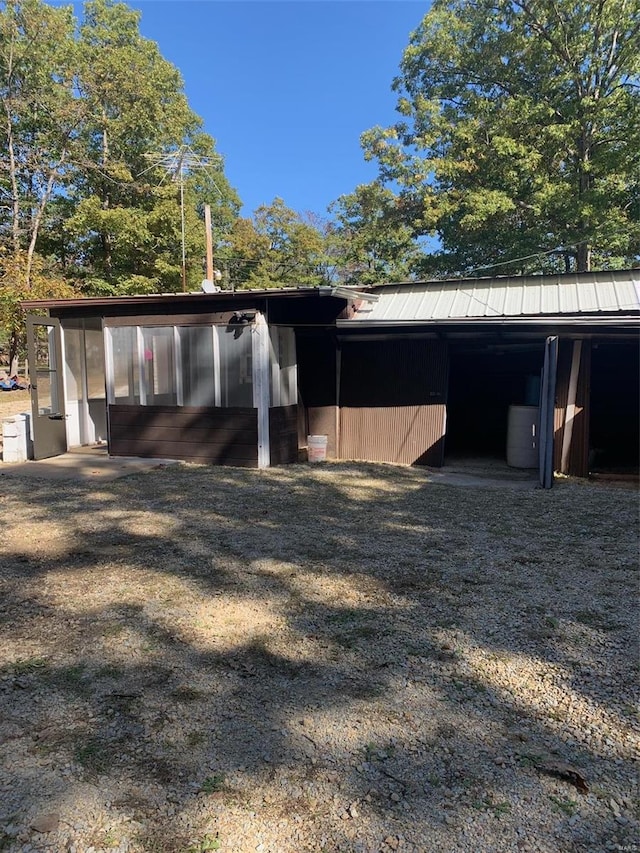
(317,658)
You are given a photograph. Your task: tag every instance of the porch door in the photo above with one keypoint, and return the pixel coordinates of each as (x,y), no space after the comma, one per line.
(547,411)
(44,347)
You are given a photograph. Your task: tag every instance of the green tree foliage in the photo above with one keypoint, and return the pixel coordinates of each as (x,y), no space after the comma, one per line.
(40,118)
(127,219)
(90,114)
(373,237)
(520,133)
(42,282)
(276,248)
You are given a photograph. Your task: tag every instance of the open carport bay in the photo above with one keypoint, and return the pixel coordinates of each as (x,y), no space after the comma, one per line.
(485,378)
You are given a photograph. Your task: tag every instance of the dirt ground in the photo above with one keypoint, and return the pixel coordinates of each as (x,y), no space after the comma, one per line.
(317,658)
(14,402)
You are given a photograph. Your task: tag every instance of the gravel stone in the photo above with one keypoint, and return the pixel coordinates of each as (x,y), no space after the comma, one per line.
(377,663)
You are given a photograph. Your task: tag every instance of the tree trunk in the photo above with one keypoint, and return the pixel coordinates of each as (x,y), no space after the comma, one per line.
(39,213)
(105,238)
(14,347)
(583,248)
(583,257)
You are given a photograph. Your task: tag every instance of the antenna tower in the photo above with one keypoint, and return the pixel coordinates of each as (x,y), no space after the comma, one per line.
(179,162)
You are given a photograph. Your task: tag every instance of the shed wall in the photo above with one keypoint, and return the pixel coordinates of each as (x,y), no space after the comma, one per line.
(283,434)
(393,401)
(220,436)
(316,354)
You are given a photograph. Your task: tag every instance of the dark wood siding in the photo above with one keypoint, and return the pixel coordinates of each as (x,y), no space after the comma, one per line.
(316,354)
(283,434)
(393,401)
(224,436)
(579,452)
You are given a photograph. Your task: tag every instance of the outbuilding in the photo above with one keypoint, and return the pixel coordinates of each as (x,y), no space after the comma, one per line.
(433,370)
(544,368)
(206,377)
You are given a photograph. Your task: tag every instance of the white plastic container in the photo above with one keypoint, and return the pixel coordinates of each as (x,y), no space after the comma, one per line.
(15,440)
(317,448)
(522,437)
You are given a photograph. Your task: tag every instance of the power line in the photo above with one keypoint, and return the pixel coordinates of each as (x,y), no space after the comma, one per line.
(517,260)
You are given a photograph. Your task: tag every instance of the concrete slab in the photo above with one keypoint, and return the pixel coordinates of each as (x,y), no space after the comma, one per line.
(85,463)
(453,478)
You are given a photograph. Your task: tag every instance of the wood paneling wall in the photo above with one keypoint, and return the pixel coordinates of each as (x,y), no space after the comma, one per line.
(283,434)
(393,401)
(217,436)
(407,435)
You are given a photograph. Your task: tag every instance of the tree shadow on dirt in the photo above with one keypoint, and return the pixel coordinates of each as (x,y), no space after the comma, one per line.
(221,649)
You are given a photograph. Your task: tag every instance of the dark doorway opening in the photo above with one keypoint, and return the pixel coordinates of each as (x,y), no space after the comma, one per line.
(614,427)
(484,381)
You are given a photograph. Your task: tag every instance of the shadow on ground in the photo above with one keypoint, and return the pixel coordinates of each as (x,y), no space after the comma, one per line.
(335,658)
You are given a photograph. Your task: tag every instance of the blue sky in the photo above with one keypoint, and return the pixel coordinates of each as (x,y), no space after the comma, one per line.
(286,88)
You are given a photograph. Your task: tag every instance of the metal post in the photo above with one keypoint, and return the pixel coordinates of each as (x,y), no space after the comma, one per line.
(207,226)
(260,365)
(184,254)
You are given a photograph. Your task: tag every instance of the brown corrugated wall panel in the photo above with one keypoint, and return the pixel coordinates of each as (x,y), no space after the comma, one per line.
(407,435)
(393,401)
(283,434)
(226,436)
(579,452)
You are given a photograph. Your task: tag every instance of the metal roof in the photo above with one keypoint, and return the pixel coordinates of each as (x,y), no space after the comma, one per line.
(600,293)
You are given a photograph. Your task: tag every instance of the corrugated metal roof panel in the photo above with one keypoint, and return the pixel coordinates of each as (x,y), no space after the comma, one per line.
(528,296)
(514,298)
(607,295)
(587,296)
(549,299)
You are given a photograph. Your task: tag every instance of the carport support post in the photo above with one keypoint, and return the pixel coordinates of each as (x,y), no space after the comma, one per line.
(570,412)
(260,370)
(547,409)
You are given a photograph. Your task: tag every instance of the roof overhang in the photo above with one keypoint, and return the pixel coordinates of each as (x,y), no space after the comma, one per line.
(169,300)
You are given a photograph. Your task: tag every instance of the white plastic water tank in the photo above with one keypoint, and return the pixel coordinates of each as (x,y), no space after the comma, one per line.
(522,436)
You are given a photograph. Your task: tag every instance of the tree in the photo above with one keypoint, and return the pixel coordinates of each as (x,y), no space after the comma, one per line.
(86,113)
(128,218)
(15,286)
(374,236)
(277,248)
(520,134)
(40,118)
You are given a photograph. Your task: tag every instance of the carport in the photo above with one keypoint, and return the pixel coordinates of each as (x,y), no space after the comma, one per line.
(478,354)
